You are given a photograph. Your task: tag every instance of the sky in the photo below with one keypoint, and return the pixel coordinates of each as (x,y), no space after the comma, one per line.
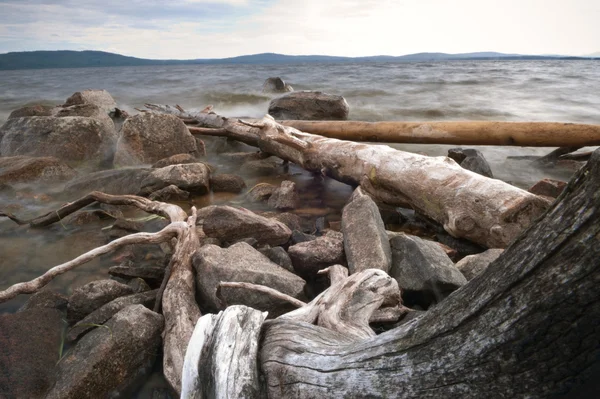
(188,29)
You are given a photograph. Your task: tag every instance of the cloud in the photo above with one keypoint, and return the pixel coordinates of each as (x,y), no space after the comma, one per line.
(221,28)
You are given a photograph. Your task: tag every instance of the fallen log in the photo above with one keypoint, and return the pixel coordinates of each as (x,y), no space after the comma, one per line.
(487,211)
(526,134)
(526,327)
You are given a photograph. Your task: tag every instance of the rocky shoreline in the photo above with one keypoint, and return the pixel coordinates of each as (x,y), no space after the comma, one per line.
(105,338)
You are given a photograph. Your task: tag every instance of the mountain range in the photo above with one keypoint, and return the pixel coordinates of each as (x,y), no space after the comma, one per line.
(82,59)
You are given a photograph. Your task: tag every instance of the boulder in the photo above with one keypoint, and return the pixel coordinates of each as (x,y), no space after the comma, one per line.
(366,242)
(311,256)
(175,160)
(471,159)
(46,299)
(32,110)
(548,188)
(30,343)
(106,311)
(192,177)
(100,98)
(109,361)
(227,183)
(76,140)
(276,85)
(24,169)
(89,297)
(232,224)
(170,193)
(88,111)
(280,256)
(261,192)
(242,263)
(424,272)
(115,181)
(473,265)
(285,196)
(309,105)
(148,138)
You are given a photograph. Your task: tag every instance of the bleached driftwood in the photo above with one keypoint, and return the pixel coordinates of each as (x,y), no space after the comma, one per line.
(221,358)
(527,134)
(526,327)
(487,211)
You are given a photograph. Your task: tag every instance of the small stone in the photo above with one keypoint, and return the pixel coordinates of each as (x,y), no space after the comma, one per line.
(261,192)
(170,193)
(548,188)
(473,265)
(285,196)
(276,85)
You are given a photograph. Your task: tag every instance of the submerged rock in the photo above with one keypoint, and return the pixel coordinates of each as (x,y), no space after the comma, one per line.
(24,169)
(424,272)
(227,183)
(309,105)
(109,361)
(471,159)
(242,263)
(148,138)
(276,85)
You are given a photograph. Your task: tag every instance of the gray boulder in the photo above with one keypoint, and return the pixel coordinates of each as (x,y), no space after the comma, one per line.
(24,169)
(232,224)
(471,159)
(109,361)
(309,105)
(89,297)
(365,239)
(227,183)
(147,138)
(311,256)
(473,265)
(424,272)
(76,140)
(285,196)
(100,98)
(276,85)
(242,263)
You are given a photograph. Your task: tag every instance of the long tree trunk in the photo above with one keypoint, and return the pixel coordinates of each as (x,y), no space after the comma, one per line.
(529,134)
(527,327)
(486,211)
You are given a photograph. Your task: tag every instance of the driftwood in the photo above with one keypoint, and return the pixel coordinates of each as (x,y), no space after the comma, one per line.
(178,300)
(527,134)
(487,211)
(526,327)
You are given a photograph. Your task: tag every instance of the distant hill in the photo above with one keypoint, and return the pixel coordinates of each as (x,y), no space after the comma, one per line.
(83,59)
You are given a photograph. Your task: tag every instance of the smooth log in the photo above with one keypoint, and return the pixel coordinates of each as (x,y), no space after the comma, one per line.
(526,134)
(526,327)
(486,211)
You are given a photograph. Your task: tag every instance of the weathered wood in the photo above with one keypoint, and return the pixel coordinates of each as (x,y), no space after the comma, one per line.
(221,360)
(526,327)
(529,134)
(486,211)
(347,306)
(336,273)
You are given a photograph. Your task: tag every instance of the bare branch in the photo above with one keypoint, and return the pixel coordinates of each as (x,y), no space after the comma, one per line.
(265,290)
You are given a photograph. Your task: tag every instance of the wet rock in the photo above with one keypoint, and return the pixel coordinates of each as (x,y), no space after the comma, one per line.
(473,265)
(147,138)
(309,105)
(78,141)
(105,312)
(153,275)
(191,177)
(262,167)
(471,159)
(227,183)
(424,272)
(32,110)
(24,169)
(175,160)
(90,297)
(276,85)
(285,196)
(138,285)
(170,193)
(311,256)
(261,192)
(548,188)
(29,349)
(365,240)
(280,256)
(109,361)
(230,224)
(242,263)
(100,98)
(116,182)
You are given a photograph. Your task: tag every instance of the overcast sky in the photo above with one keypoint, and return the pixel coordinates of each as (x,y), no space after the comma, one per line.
(184,29)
